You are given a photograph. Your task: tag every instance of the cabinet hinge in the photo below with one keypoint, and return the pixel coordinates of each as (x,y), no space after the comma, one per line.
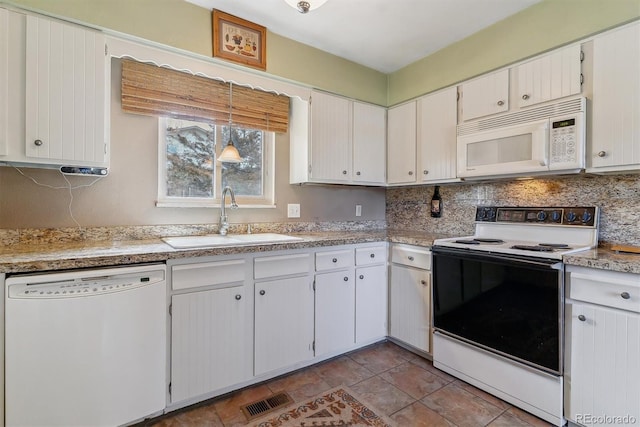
(313,346)
(170,309)
(581,55)
(314,286)
(106,49)
(169,388)
(105,148)
(309,168)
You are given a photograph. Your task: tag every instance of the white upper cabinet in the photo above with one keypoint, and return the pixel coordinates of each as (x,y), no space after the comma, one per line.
(54,78)
(615,134)
(65,94)
(548,77)
(337,140)
(369,143)
(401,144)
(437,119)
(485,95)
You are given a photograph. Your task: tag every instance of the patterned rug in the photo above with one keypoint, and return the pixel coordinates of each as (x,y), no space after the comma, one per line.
(336,407)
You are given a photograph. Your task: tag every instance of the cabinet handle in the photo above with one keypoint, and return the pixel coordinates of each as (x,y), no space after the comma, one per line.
(346,279)
(344,172)
(410,172)
(582,318)
(602,153)
(423,282)
(361,276)
(625,295)
(425,172)
(335,260)
(262,292)
(410,258)
(372,255)
(239,297)
(525,96)
(38,142)
(358,173)
(500,103)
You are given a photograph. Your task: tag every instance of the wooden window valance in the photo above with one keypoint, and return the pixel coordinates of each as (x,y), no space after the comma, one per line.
(152,90)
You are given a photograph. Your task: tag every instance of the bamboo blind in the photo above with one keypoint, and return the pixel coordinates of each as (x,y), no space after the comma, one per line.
(152,90)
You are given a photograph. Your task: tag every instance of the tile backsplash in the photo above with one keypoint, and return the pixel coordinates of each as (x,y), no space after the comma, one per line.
(618,197)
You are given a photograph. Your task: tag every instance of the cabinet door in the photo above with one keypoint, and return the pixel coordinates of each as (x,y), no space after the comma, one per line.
(283,323)
(369,143)
(4,81)
(65,94)
(485,95)
(410,294)
(211,341)
(335,311)
(549,77)
(615,138)
(437,119)
(604,364)
(330,138)
(401,144)
(371,303)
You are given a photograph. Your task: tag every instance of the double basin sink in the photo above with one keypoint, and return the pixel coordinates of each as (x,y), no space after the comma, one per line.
(214,240)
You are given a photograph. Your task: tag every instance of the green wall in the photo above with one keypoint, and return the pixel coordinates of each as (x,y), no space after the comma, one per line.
(541,27)
(186,26)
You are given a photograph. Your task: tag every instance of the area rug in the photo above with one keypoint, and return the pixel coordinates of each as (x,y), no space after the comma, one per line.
(336,407)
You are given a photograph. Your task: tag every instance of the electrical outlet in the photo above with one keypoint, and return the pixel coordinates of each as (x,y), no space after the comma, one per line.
(293,210)
(358,210)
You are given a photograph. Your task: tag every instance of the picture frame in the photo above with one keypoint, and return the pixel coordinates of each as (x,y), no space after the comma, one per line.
(239,41)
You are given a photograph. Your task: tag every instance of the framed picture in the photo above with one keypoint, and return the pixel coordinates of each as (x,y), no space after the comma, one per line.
(239,41)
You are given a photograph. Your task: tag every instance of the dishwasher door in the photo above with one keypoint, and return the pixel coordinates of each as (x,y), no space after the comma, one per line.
(85,348)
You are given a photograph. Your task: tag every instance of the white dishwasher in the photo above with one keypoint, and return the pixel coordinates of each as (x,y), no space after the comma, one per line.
(85,348)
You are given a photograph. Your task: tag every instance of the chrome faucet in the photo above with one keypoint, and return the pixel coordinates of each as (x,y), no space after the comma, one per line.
(224,220)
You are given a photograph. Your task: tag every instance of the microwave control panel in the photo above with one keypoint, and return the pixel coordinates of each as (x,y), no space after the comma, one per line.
(564,135)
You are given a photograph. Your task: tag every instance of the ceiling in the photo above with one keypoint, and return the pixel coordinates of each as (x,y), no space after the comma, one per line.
(384,35)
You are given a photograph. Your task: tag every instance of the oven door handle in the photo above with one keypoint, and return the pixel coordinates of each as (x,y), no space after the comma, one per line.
(503,258)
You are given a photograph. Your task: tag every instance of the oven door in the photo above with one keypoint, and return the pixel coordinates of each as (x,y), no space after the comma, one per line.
(510,305)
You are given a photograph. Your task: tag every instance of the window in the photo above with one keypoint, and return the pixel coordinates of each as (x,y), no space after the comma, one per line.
(190,176)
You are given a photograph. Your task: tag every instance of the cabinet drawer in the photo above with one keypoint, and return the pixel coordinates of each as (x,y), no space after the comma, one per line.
(281,265)
(613,290)
(372,255)
(412,256)
(334,259)
(207,274)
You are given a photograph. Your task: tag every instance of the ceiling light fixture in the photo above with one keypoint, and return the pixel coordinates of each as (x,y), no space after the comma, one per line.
(230,153)
(305,6)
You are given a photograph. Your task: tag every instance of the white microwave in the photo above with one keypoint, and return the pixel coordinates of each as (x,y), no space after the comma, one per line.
(541,140)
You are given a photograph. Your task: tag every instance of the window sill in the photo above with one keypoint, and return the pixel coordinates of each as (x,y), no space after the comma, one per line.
(208,204)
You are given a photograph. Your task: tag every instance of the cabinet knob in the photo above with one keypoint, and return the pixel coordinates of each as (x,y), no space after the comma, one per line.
(344,172)
(602,153)
(346,279)
(410,172)
(425,172)
(239,297)
(423,282)
(625,295)
(358,173)
(410,258)
(361,276)
(38,142)
(262,292)
(335,260)
(582,318)
(500,103)
(525,97)
(372,255)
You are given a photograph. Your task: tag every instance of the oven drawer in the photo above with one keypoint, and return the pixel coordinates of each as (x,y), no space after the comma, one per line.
(413,256)
(608,288)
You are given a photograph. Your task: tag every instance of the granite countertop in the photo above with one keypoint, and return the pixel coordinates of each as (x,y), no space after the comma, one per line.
(30,257)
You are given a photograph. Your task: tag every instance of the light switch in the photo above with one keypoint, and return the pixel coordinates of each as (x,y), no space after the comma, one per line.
(358,210)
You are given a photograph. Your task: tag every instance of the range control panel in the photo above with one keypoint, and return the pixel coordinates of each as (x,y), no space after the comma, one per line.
(586,216)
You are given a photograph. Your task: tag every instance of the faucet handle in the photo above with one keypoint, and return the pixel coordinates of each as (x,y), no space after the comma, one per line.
(234,205)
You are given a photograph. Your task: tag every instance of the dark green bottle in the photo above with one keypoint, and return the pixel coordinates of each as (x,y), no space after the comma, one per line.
(436,203)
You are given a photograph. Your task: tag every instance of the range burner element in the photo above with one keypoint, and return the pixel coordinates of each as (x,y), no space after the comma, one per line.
(555,245)
(538,248)
(479,240)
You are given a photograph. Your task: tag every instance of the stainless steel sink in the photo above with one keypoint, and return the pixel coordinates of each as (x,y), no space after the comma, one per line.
(214,240)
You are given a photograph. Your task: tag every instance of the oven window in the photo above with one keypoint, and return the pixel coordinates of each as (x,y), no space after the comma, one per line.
(505,305)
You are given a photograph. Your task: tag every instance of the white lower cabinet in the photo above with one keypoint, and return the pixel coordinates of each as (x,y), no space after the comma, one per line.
(211,343)
(410,296)
(602,368)
(371,303)
(335,311)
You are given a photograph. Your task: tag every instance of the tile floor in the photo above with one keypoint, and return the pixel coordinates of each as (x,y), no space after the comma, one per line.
(404,386)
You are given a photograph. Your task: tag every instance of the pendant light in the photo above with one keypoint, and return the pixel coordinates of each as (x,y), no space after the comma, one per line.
(305,6)
(230,152)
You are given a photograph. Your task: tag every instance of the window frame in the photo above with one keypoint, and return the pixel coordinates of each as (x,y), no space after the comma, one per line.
(267,200)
